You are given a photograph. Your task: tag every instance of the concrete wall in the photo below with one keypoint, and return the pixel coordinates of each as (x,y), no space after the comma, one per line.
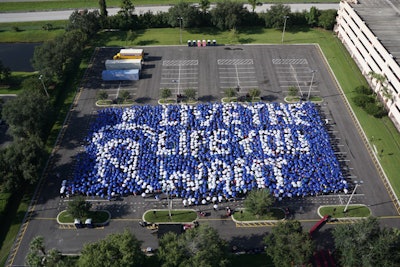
(370,55)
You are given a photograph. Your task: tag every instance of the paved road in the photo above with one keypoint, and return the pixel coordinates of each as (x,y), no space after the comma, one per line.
(64,14)
(275,68)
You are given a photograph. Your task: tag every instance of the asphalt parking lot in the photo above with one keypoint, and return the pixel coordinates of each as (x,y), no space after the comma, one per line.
(208,70)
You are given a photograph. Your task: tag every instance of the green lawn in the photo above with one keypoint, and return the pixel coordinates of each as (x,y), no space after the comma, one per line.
(81,4)
(352,211)
(243,215)
(157,216)
(97,216)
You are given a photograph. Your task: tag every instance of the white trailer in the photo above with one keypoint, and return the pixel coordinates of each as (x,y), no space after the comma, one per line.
(123,64)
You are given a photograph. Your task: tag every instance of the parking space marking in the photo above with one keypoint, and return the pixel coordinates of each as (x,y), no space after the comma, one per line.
(237,73)
(179,74)
(294,61)
(235,62)
(194,62)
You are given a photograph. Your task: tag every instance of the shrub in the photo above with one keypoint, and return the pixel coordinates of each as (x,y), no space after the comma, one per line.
(363,100)
(375,109)
(363,90)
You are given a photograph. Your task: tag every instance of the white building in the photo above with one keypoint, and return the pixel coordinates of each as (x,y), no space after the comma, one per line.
(370,30)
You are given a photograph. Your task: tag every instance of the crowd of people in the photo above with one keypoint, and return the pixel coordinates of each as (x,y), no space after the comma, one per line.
(208,152)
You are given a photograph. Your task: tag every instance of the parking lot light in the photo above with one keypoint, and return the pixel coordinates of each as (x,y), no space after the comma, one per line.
(357,183)
(44,87)
(311,83)
(284,26)
(180,28)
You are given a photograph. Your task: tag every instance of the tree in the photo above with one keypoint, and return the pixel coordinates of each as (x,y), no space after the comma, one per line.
(230,92)
(293,91)
(120,249)
(312,16)
(125,95)
(254,92)
(79,207)
(253,4)
(364,90)
(327,19)
(102,95)
(204,5)
(20,163)
(37,256)
(228,15)
(365,243)
(165,93)
(274,17)
(362,100)
(127,8)
(288,245)
(37,244)
(258,202)
(85,21)
(5,73)
(190,93)
(190,15)
(103,8)
(197,247)
(29,114)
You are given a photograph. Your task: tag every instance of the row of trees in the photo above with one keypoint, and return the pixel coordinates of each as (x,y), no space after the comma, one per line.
(225,16)
(360,244)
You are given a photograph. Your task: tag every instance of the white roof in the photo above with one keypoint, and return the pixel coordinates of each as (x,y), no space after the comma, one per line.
(131,51)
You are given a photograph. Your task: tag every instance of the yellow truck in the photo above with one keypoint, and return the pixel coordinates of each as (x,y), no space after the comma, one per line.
(130,54)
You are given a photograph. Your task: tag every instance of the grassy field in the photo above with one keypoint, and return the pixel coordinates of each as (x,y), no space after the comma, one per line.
(80,4)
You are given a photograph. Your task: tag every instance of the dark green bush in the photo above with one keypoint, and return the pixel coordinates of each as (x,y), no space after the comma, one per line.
(363,100)
(364,90)
(375,109)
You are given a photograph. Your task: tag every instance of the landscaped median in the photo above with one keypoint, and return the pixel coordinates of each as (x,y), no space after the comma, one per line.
(352,211)
(275,214)
(99,218)
(177,216)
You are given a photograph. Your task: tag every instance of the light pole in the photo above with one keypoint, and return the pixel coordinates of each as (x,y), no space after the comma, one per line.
(352,194)
(180,28)
(284,27)
(312,80)
(44,87)
(167,188)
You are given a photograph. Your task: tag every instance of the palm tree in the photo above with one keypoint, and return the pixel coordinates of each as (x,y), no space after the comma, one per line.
(254,92)
(37,244)
(230,92)
(190,93)
(165,93)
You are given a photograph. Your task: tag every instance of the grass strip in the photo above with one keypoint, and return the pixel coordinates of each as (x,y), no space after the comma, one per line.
(179,216)
(352,211)
(97,216)
(274,214)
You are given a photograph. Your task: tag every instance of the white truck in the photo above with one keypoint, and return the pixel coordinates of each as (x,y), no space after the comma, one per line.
(123,64)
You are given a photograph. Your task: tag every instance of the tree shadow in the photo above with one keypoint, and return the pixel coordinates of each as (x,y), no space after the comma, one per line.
(246,40)
(251,30)
(147,42)
(205,31)
(269,98)
(207,98)
(143,100)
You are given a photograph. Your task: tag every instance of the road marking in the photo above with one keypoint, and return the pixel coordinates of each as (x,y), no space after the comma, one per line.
(180,62)
(294,61)
(235,62)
